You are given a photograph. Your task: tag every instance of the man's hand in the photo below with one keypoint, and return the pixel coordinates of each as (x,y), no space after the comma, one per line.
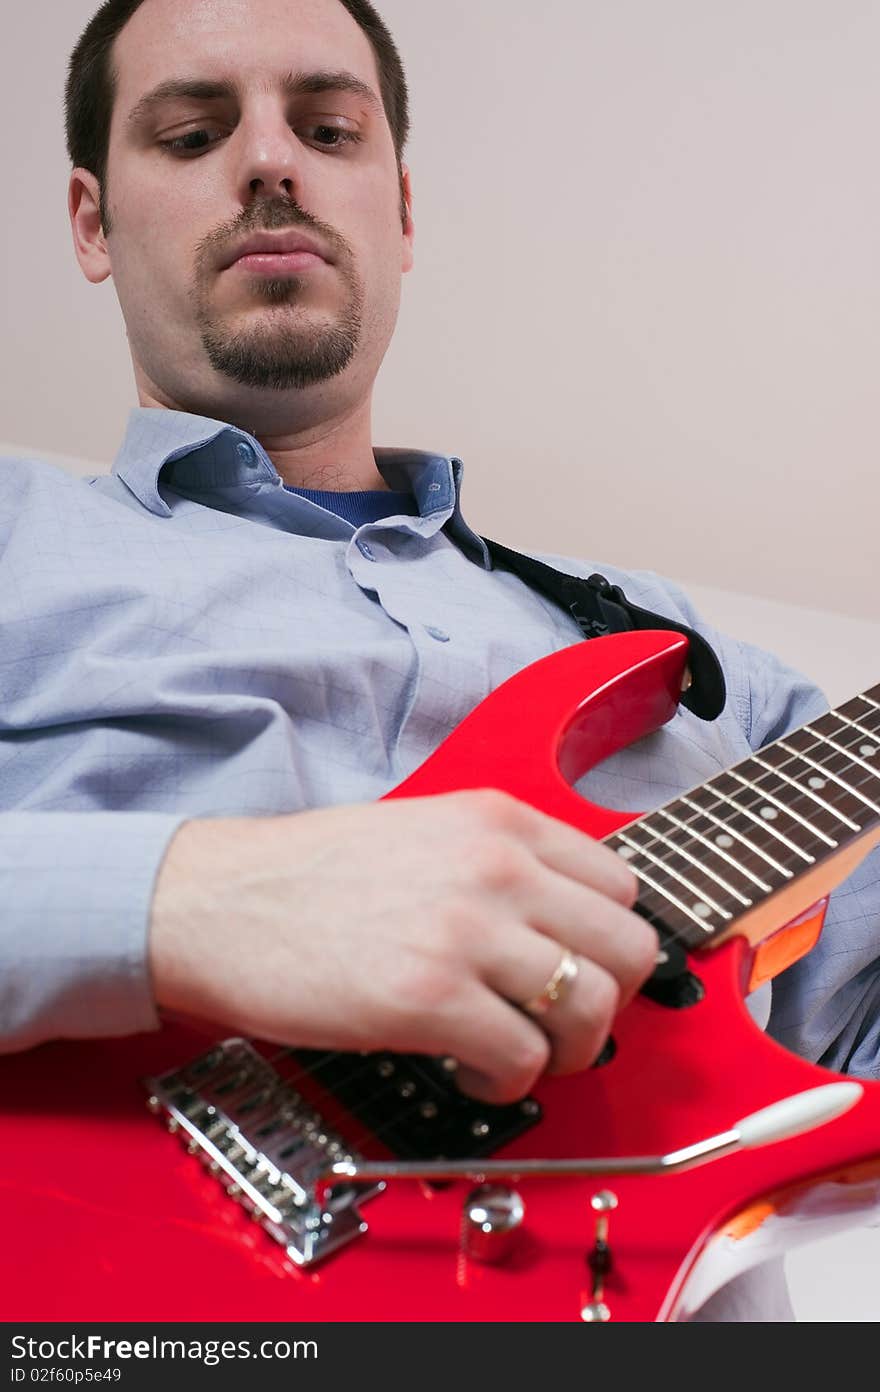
(418,925)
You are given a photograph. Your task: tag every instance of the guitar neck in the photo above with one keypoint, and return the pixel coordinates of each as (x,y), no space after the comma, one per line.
(758,844)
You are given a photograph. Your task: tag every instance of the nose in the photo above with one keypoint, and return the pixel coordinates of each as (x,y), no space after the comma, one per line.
(270,158)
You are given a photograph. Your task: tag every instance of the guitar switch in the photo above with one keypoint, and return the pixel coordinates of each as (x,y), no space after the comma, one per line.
(599,1259)
(493,1216)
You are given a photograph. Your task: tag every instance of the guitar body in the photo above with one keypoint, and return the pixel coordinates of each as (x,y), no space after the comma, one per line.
(107,1217)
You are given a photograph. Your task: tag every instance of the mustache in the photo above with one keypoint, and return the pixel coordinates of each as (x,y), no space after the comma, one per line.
(271,215)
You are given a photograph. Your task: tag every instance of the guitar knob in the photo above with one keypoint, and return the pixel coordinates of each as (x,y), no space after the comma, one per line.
(493,1216)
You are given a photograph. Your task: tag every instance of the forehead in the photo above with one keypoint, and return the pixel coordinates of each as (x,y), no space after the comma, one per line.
(252,43)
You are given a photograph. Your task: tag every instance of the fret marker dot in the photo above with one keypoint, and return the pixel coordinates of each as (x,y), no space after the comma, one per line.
(868,751)
(769,814)
(702,910)
(626,852)
(724,841)
(817,783)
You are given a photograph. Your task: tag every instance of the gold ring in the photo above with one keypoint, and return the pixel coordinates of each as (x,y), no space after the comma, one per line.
(558,985)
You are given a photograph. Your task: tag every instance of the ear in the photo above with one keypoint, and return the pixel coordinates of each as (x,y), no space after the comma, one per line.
(89,242)
(409,231)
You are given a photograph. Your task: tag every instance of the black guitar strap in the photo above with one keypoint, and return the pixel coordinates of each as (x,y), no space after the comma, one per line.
(599,608)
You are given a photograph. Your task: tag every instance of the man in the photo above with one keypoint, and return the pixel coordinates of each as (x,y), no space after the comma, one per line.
(260,624)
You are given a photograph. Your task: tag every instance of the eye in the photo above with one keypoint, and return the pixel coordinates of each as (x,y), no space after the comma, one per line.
(340,137)
(198,141)
(192,142)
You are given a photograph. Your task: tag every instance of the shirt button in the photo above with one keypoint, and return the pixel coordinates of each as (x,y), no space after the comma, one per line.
(438,634)
(246,453)
(366,550)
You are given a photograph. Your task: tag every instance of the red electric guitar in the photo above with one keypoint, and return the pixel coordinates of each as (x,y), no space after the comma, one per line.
(358,1188)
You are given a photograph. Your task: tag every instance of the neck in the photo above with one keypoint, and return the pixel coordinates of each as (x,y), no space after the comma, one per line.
(334,458)
(332,454)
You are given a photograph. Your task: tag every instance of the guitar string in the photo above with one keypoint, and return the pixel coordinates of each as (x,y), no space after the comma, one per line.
(329,1120)
(723,801)
(746,803)
(344,1112)
(373,1132)
(792,757)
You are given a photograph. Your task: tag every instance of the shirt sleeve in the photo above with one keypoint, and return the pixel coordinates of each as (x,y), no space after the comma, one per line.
(826,1007)
(75,896)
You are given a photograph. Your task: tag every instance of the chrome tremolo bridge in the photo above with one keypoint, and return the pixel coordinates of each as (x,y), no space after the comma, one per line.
(266,1145)
(272,1149)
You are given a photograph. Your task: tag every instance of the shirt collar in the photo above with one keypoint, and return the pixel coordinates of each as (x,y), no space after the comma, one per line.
(203,456)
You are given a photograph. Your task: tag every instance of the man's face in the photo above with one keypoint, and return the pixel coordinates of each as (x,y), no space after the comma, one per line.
(241,148)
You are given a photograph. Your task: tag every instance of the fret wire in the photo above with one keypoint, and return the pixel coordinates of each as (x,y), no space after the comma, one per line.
(819,741)
(869,734)
(796,754)
(683,879)
(668,898)
(701,865)
(745,810)
(822,768)
(766,796)
(716,850)
(789,874)
(872,735)
(808,792)
(868,700)
(844,750)
(768,826)
(653,893)
(848,754)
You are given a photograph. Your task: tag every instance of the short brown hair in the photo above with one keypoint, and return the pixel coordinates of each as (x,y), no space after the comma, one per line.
(91,87)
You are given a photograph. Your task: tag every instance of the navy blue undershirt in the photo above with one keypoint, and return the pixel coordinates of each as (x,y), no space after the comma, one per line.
(361,508)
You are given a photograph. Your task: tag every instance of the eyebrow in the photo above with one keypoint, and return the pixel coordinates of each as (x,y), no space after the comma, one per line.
(293,85)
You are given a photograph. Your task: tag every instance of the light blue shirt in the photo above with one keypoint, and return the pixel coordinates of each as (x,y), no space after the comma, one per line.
(185,638)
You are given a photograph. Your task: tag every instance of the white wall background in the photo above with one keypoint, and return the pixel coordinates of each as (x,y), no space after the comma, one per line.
(645,311)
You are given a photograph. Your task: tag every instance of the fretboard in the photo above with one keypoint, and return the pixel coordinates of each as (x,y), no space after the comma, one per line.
(713,855)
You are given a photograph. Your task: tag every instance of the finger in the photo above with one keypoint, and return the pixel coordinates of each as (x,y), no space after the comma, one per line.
(592,925)
(580,1021)
(576,916)
(579,1024)
(578,857)
(500,1052)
